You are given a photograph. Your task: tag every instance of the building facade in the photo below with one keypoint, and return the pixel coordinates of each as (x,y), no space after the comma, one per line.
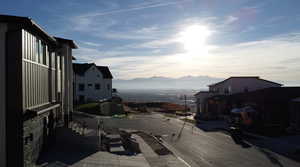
(200,99)
(231,86)
(35,80)
(234,85)
(92,83)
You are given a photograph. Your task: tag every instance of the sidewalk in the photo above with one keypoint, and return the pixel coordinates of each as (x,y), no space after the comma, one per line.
(74,150)
(156,160)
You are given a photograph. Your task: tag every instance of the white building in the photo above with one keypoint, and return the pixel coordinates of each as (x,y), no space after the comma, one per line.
(92,83)
(231,86)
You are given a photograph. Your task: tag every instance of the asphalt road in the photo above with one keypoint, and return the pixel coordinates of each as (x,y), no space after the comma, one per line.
(197,147)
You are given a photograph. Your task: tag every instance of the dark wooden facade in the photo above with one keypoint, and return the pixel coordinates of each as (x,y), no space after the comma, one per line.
(34,85)
(272,105)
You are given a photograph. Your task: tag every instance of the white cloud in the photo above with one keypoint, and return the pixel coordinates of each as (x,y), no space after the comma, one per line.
(230,19)
(133,8)
(270,58)
(93,44)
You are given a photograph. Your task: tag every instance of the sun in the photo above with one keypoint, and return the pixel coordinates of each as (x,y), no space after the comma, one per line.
(194,39)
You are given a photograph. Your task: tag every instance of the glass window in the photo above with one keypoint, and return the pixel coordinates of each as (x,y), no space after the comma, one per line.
(37,50)
(108,86)
(41,54)
(97,86)
(81,87)
(90,85)
(44,53)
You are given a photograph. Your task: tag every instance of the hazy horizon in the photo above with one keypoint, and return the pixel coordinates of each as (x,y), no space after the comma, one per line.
(180,83)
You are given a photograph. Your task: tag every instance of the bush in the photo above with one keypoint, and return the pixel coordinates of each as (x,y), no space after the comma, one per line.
(91,108)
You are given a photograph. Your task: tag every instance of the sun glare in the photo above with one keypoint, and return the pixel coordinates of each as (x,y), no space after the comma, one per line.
(194,39)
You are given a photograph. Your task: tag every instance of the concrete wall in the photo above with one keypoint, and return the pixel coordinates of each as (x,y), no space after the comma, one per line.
(238,85)
(3,29)
(93,76)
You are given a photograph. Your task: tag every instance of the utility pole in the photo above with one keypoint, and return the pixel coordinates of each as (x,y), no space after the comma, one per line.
(185,110)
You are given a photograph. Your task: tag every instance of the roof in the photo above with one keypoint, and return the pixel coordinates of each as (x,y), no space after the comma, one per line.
(237,77)
(105,71)
(80,69)
(200,92)
(72,44)
(28,23)
(277,94)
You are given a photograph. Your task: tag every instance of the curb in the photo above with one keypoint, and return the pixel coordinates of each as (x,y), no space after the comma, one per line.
(85,114)
(255,135)
(164,143)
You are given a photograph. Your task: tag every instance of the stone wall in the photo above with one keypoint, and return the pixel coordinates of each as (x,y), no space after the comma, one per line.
(35,131)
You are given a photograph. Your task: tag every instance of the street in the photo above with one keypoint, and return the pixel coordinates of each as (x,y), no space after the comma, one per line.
(198,147)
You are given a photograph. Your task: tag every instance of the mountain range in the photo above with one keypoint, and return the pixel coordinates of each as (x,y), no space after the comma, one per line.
(157,82)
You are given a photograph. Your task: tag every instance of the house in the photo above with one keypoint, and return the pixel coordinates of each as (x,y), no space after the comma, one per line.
(273,106)
(91,82)
(295,115)
(36,89)
(200,99)
(240,84)
(230,86)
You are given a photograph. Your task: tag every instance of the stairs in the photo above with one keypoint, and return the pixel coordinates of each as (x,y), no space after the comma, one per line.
(115,144)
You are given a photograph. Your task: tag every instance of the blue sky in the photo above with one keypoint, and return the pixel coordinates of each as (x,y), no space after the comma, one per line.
(140,38)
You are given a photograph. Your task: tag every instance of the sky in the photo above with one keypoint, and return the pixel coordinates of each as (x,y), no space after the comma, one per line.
(176,38)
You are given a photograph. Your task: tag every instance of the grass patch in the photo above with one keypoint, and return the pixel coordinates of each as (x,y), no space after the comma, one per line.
(189,120)
(171,115)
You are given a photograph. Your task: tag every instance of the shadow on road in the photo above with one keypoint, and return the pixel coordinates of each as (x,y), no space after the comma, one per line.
(271,156)
(247,141)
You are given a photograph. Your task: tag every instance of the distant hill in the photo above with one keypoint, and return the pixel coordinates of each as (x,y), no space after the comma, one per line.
(186,82)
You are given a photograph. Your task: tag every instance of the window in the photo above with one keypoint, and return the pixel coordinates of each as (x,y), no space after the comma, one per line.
(89,85)
(97,86)
(226,91)
(81,99)
(108,87)
(81,87)
(43,53)
(37,50)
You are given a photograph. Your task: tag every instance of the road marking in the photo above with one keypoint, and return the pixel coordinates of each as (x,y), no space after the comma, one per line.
(183,161)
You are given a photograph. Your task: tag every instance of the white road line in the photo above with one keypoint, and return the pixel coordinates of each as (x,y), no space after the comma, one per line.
(183,161)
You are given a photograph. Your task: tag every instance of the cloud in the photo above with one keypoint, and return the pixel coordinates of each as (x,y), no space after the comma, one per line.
(230,19)
(269,58)
(133,8)
(92,44)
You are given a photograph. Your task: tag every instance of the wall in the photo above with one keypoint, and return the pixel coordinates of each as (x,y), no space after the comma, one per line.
(33,148)
(38,128)
(38,82)
(3,28)
(93,76)
(200,97)
(36,86)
